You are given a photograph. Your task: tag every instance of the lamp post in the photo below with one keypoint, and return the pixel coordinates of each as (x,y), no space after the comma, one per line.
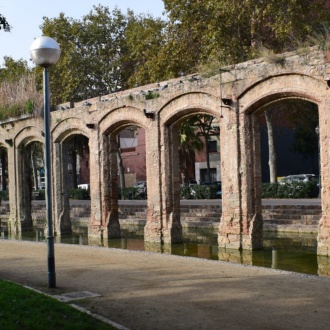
(317,131)
(45,52)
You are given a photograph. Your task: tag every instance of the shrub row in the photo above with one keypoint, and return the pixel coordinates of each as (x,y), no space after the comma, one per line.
(79,194)
(4,195)
(38,195)
(199,192)
(290,190)
(130,193)
(269,190)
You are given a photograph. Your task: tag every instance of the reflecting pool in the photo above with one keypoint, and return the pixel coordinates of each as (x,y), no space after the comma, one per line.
(285,251)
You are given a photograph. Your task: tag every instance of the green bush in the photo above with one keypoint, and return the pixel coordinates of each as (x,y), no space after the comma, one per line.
(38,195)
(290,190)
(151,95)
(130,193)
(79,194)
(4,195)
(186,192)
(199,192)
(205,192)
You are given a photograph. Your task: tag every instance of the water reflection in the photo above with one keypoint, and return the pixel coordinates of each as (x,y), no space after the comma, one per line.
(291,252)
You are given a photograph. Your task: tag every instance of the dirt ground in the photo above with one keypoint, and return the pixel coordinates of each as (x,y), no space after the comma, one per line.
(141,290)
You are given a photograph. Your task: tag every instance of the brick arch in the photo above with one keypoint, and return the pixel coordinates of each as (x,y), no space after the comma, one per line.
(164,223)
(188,104)
(281,87)
(68,127)
(109,125)
(61,133)
(21,197)
(245,173)
(28,135)
(119,118)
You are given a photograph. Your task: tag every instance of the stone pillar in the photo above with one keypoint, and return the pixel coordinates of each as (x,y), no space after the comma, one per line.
(163,184)
(104,222)
(241,222)
(323,238)
(14,225)
(24,188)
(109,170)
(172,229)
(229,234)
(154,150)
(61,217)
(251,183)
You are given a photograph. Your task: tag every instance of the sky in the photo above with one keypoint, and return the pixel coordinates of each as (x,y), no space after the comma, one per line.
(25,18)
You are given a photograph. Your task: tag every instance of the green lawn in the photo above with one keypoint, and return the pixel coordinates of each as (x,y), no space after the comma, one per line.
(24,309)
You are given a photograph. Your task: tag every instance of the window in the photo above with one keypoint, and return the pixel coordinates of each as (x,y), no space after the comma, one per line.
(212,146)
(203,175)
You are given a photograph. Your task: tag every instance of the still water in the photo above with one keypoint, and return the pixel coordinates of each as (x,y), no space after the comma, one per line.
(291,252)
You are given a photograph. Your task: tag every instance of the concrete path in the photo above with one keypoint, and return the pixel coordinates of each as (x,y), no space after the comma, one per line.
(142,290)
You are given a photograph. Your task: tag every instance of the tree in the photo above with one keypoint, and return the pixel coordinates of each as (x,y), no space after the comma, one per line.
(4,24)
(78,148)
(231,31)
(13,70)
(4,168)
(19,91)
(192,133)
(69,68)
(189,143)
(144,38)
(94,58)
(205,129)
(271,147)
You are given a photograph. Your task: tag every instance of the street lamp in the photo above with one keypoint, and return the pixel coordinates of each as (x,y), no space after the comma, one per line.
(45,52)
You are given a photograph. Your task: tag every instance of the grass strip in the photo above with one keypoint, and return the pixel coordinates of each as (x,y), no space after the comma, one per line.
(24,309)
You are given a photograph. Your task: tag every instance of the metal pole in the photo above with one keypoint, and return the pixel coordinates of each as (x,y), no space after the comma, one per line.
(48,181)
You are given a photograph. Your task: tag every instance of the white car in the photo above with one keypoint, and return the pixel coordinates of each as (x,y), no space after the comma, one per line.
(298,178)
(84,186)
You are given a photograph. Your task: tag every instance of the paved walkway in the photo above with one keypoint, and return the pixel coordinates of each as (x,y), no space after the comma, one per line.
(142,290)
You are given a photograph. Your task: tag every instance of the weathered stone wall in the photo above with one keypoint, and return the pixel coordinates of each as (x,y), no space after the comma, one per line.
(245,90)
(279,218)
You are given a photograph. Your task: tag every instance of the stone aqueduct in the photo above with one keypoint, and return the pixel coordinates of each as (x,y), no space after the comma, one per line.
(235,97)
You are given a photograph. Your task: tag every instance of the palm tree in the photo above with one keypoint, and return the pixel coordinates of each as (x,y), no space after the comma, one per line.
(192,133)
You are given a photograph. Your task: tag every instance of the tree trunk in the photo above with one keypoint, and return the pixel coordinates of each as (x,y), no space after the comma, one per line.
(120,166)
(4,167)
(271,148)
(207,158)
(34,167)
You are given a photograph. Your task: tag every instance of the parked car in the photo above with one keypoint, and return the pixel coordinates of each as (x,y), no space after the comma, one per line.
(215,183)
(299,178)
(85,186)
(141,186)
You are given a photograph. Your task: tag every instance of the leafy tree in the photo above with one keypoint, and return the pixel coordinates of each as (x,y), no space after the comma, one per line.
(144,37)
(103,39)
(69,69)
(93,60)
(13,70)
(19,92)
(189,143)
(193,133)
(231,31)
(4,24)
(203,123)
